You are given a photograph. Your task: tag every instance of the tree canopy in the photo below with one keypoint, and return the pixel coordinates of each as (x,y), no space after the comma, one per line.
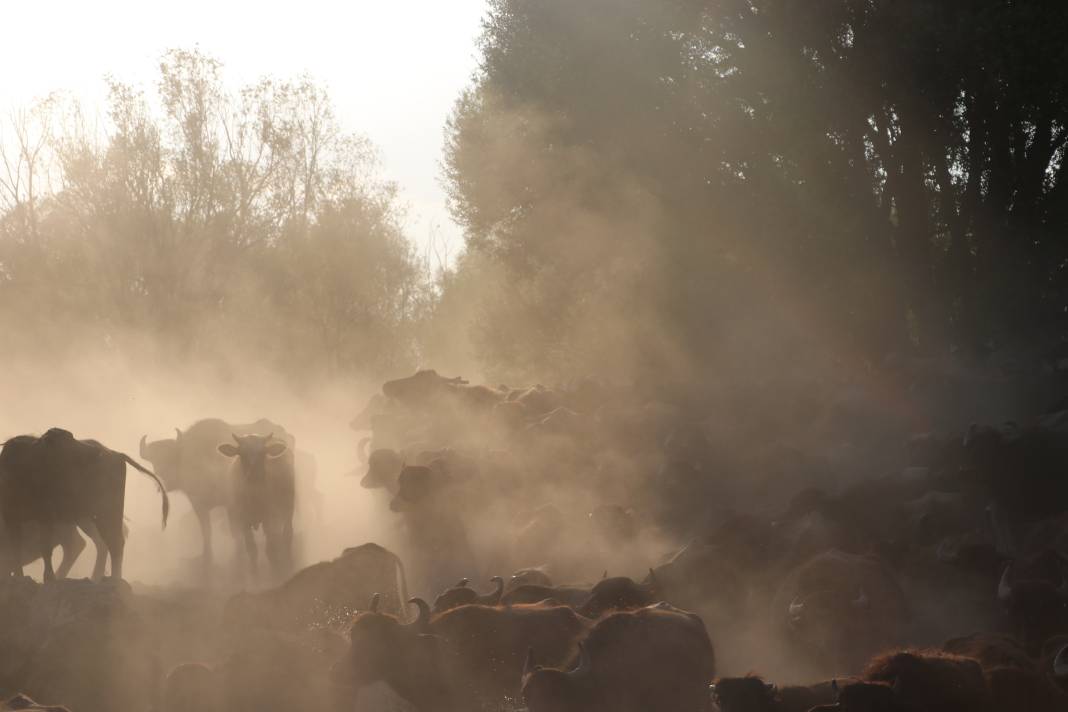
(207,221)
(875,175)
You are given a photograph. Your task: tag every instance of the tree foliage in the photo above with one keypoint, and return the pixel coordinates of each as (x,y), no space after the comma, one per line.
(210,222)
(872,175)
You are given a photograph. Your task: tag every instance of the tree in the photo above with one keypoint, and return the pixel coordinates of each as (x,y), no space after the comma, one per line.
(245,226)
(769,178)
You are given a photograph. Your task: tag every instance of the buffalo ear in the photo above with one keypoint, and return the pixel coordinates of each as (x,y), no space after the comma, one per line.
(276,449)
(228,450)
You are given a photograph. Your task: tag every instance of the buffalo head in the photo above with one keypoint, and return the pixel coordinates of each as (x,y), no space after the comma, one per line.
(384,648)
(1037,607)
(745,694)
(552,690)
(383,468)
(252,452)
(165,456)
(415,485)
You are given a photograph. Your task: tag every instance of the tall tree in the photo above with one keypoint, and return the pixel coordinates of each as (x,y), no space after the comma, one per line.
(864,173)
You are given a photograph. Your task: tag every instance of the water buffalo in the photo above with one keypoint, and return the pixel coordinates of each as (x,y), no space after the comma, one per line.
(191,463)
(618,593)
(462,659)
(411,661)
(324,593)
(527,577)
(656,659)
(66,537)
(1036,605)
(383,468)
(839,609)
(261,493)
(932,680)
(571,596)
(55,479)
(863,697)
(1022,466)
(426,387)
(462,595)
(752,694)
(490,643)
(990,650)
(435,529)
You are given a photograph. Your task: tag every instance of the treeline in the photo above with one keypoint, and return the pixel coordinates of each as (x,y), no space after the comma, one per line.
(680,186)
(648,190)
(205,223)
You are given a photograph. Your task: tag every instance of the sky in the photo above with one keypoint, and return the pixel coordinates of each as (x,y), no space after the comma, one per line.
(392,68)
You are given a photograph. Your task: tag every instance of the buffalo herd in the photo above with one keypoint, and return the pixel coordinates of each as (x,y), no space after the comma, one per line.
(589,549)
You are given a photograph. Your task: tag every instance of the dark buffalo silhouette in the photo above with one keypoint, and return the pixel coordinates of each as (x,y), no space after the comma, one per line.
(56,479)
(656,659)
(261,493)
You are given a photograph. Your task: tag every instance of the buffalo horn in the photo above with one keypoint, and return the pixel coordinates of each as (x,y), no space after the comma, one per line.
(423,621)
(494,598)
(1004,587)
(373,606)
(529,665)
(143,439)
(177,434)
(1060,664)
(582,668)
(236,439)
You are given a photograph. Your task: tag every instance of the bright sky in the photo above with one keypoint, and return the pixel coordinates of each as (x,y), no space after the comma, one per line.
(392,68)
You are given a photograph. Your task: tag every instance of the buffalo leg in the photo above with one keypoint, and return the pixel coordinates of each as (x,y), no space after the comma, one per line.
(204,518)
(110,529)
(91,530)
(243,535)
(271,536)
(279,543)
(286,545)
(14,538)
(72,545)
(251,550)
(45,533)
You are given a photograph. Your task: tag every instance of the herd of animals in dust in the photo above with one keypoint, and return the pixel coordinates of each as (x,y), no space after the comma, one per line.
(563,550)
